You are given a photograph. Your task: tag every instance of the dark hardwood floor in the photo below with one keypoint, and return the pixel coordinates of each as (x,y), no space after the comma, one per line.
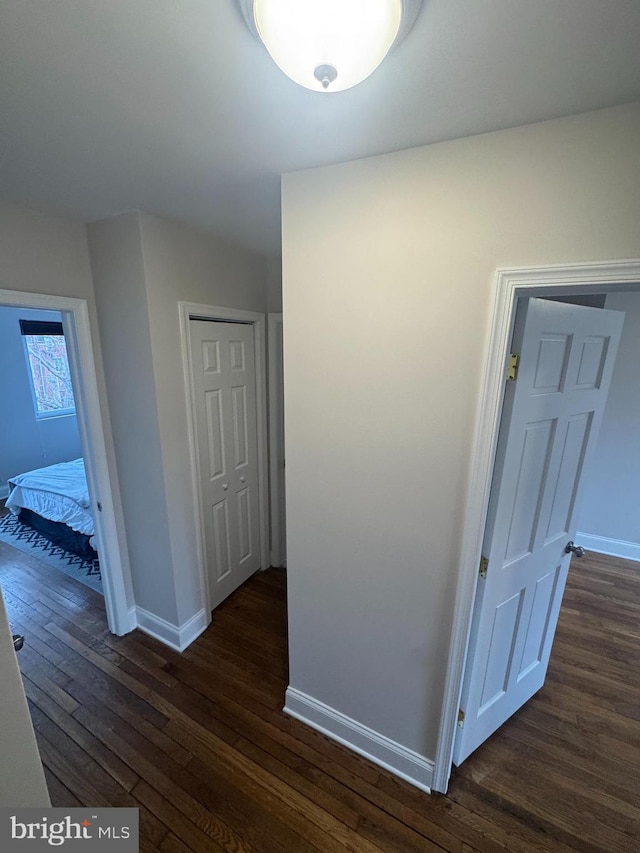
(199,742)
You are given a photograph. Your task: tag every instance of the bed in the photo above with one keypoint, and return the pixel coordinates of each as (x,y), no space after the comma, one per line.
(55,502)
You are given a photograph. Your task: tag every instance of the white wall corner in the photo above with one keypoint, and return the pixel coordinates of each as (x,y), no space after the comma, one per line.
(177,637)
(132,619)
(397,759)
(612,547)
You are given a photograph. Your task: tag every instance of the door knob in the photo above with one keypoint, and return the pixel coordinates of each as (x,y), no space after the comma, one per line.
(242,479)
(225,486)
(578,550)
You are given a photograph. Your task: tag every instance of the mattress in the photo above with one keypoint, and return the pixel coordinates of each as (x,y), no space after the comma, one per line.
(57,492)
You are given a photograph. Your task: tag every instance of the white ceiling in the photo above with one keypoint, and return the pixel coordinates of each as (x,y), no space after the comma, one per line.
(171,106)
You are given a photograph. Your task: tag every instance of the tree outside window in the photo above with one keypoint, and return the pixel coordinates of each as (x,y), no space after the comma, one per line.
(48,369)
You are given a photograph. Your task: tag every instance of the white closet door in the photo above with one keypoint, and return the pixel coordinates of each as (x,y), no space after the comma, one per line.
(224,394)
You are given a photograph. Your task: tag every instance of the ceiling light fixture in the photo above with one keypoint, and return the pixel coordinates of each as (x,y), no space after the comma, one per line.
(329,45)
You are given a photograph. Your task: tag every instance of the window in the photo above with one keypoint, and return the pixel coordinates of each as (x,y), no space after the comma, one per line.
(48,368)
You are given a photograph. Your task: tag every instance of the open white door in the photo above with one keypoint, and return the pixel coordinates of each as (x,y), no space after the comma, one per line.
(550,422)
(22,780)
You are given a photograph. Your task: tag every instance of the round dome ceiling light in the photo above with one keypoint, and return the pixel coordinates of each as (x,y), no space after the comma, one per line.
(329,45)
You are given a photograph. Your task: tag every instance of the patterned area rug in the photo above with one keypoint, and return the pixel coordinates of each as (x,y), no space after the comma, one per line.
(25,539)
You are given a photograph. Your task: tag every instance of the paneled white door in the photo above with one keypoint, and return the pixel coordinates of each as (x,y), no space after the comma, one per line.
(550,422)
(224,395)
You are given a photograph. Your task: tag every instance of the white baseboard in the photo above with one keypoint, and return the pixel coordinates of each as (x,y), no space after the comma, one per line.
(397,759)
(613,547)
(177,637)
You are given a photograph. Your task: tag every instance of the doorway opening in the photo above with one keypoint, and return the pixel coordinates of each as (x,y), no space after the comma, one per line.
(102,487)
(511,285)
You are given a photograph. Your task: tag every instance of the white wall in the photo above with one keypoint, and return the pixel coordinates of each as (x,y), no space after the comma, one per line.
(27,442)
(611,501)
(42,253)
(22,780)
(120,286)
(143,266)
(274,285)
(389,269)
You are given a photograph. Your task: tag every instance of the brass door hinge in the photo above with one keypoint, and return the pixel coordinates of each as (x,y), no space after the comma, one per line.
(460,719)
(512,367)
(484,566)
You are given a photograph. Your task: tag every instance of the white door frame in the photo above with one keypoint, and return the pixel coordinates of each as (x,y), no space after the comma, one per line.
(276,469)
(195,311)
(103,490)
(511,284)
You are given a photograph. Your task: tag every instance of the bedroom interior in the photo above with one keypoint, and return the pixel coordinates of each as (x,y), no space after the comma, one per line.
(385,280)
(29,441)
(44,489)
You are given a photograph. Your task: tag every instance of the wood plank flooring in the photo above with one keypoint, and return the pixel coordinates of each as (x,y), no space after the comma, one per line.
(198,741)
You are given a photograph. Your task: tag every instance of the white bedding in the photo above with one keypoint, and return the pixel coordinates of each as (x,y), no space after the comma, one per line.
(57,492)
